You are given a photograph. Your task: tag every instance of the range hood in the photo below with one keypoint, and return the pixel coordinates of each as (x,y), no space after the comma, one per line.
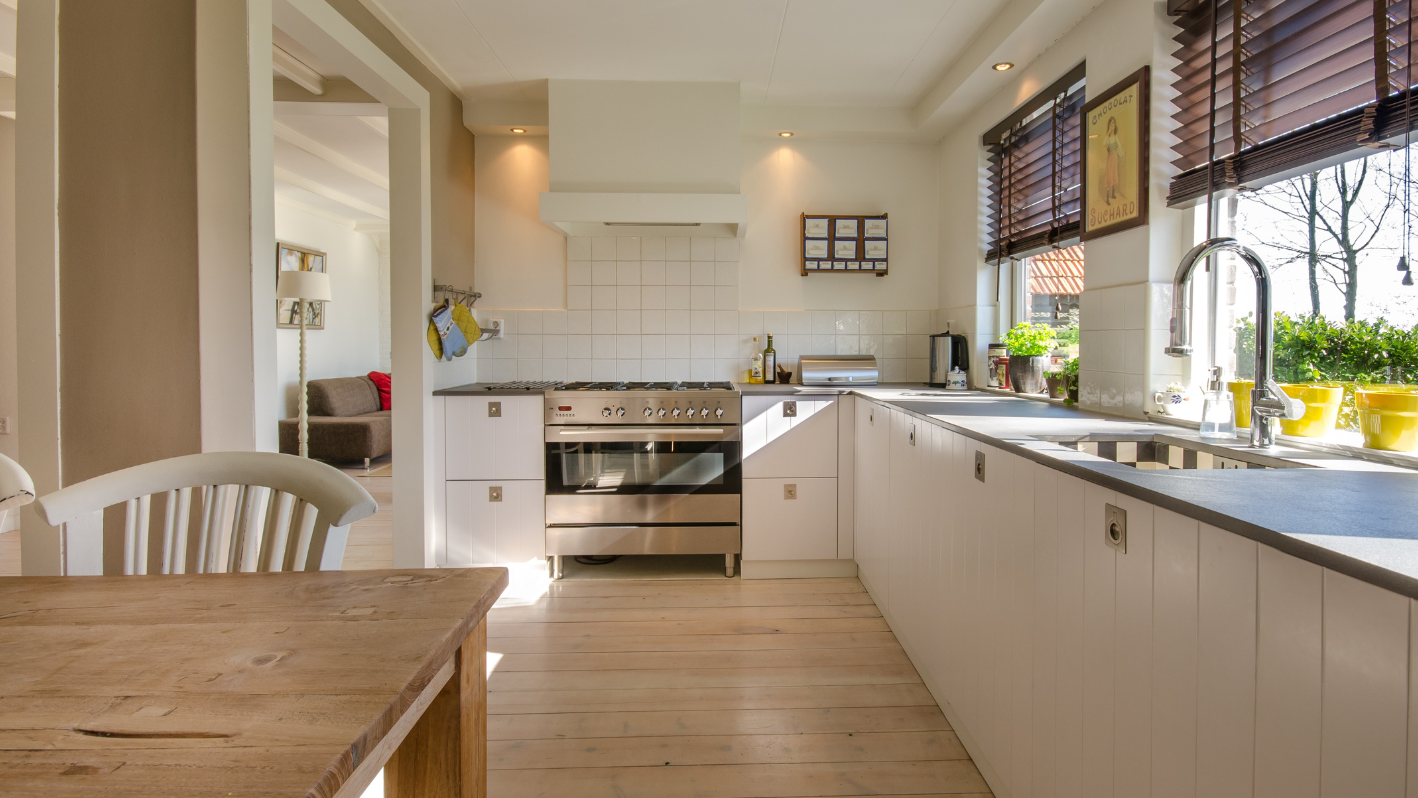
(577,213)
(644,158)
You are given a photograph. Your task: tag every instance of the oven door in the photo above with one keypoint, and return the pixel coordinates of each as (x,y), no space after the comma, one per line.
(643,475)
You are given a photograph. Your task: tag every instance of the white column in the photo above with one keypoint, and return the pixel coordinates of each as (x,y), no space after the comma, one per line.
(37,271)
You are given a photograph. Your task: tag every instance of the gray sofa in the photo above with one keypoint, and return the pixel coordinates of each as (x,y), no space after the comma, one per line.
(345,422)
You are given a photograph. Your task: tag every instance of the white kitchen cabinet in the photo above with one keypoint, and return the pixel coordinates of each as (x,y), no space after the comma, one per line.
(493,437)
(873,490)
(789,436)
(492,521)
(776,527)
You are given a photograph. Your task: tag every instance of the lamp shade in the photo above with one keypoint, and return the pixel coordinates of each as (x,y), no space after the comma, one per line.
(310,286)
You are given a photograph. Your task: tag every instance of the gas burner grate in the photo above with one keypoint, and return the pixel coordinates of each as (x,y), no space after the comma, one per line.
(524,385)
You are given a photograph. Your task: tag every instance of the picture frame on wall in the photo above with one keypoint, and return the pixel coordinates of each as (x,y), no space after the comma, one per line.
(874,228)
(845,228)
(290,257)
(846,250)
(1115,157)
(875,249)
(816,227)
(815,248)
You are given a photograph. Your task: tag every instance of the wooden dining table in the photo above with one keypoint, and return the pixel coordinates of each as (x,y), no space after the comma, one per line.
(254,684)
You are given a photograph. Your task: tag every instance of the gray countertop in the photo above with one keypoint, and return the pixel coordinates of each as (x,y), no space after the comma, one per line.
(485,389)
(1353,516)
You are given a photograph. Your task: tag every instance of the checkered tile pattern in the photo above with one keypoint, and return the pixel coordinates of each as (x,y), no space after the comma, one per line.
(1152,456)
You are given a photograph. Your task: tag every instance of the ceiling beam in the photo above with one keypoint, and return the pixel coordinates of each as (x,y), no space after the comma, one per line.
(291,67)
(311,209)
(411,44)
(329,155)
(379,124)
(320,189)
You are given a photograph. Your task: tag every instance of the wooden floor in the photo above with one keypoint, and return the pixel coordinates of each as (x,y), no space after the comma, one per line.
(724,688)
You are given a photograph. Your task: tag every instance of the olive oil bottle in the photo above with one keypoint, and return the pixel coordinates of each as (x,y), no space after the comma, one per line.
(770,362)
(755,366)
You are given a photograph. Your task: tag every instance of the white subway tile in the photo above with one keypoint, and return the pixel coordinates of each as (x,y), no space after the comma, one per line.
(893,370)
(701,369)
(628,370)
(602,248)
(893,322)
(730,369)
(1109,353)
(1090,317)
(847,345)
(701,322)
(726,297)
(869,322)
(485,369)
(872,345)
(578,297)
(798,322)
(652,346)
(726,321)
(824,322)
(917,346)
(603,322)
(701,249)
(652,272)
(578,248)
(505,347)
(701,297)
(918,369)
(529,321)
(554,346)
(677,248)
(627,248)
(652,369)
(603,297)
(894,346)
(652,297)
(652,248)
(1112,391)
(701,346)
(1135,306)
(822,344)
(627,297)
(751,322)
(603,370)
(1135,351)
(726,345)
(554,369)
(677,323)
(603,272)
(776,322)
(726,273)
(1111,300)
(554,322)
(797,344)
(701,273)
(578,272)
(677,368)
(677,346)
(1134,387)
(726,249)
(677,297)
(1090,389)
(504,370)
(578,347)
(652,322)
(847,323)
(602,346)
(627,272)
(578,370)
(677,273)
(627,346)
(1159,306)
(627,322)
(529,369)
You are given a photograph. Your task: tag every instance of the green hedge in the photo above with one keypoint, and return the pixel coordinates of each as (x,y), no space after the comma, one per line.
(1351,354)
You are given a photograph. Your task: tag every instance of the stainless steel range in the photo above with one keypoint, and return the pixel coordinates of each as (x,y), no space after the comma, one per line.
(642,468)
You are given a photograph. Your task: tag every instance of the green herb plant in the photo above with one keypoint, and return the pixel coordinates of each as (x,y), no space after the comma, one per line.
(1030,340)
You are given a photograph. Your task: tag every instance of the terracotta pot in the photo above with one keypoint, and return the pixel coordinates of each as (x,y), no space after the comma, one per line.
(1056,387)
(1026,374)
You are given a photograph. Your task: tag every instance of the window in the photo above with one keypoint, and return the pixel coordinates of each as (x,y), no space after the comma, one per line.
(1050,286)
(1034,172)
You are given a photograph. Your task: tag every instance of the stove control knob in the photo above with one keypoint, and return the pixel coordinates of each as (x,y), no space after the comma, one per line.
(718,412)
(620,411)
(676,414)
(606,411)
(704,412)
(649,412)
(662,412)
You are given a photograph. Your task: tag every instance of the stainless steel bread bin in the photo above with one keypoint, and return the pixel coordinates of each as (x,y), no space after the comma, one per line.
(838,369)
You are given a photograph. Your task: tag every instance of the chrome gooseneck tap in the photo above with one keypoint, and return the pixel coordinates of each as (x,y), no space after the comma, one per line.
(1267,400)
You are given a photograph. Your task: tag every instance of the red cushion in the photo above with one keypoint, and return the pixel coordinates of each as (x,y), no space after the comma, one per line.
(382,381)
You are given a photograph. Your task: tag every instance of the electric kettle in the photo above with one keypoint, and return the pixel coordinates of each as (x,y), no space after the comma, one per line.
(948,351)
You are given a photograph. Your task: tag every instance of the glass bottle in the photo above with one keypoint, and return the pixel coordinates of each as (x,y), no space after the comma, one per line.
(1218,413)
(770,362)
(755,367)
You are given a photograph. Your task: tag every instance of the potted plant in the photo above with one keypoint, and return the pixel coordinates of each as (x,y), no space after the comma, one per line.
(1057,381)
(1071,381)
(1029,347)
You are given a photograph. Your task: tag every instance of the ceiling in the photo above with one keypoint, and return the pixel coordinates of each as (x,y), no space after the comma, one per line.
(781,52)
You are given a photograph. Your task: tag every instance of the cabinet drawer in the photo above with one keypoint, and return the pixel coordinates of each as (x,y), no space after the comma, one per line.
(776,444)
(482,446)
(777,528)
(482,531)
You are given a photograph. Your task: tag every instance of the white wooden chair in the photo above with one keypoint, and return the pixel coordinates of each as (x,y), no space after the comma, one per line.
(258,511)
(16,487)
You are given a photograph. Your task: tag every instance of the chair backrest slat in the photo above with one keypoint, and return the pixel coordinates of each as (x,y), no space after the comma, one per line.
(257,511)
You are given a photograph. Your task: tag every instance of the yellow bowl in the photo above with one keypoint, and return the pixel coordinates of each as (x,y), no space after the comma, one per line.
(1241,392)
(1321,409)
(1388,416)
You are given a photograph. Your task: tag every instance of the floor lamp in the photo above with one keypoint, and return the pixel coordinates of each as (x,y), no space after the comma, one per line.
(303,287)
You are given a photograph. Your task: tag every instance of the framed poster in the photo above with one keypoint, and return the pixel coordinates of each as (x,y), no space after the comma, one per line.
(844,249)
(816,227)
(290,257)
(1115,162)
(845,228)
(815,248)
(875,249)
(874,228)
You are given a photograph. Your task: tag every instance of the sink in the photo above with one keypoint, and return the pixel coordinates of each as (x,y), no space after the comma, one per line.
(1166,453)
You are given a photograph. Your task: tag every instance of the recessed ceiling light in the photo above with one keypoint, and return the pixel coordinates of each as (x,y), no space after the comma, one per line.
(787,134)
(1003,66)
(519,130)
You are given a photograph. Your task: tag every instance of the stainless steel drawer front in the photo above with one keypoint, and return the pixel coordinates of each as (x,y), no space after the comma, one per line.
(644,508)
(606,540)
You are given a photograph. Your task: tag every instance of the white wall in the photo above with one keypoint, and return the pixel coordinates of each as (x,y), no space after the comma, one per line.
(9,356)
(349,344)
(518,261)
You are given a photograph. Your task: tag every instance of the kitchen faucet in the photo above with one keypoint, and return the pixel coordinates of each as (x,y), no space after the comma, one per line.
(1267,400)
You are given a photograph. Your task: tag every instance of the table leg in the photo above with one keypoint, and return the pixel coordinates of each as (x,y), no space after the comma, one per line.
(445,754)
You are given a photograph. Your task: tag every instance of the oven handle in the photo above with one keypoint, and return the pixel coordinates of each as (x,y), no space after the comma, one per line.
(635,434)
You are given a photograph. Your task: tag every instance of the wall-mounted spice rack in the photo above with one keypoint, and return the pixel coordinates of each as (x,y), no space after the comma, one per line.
(844,244)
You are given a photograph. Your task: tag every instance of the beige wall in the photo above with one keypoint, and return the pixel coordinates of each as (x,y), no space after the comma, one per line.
(521,261)
(452,153)
(128,234)
(9,361)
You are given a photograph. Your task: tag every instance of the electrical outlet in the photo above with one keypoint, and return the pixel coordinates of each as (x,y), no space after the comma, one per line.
(4,425)
(497,326)
(790,491)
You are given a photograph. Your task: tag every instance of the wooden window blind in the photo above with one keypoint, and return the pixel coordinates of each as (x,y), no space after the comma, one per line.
(1288,82)
(1035,172)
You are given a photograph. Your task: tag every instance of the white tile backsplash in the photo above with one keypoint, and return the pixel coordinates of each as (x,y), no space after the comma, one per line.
(701,249)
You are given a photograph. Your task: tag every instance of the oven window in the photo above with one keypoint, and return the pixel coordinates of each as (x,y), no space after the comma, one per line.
(642,466)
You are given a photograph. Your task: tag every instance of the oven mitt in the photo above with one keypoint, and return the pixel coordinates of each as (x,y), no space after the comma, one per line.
(434,341)
(439,324)
(463,320)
